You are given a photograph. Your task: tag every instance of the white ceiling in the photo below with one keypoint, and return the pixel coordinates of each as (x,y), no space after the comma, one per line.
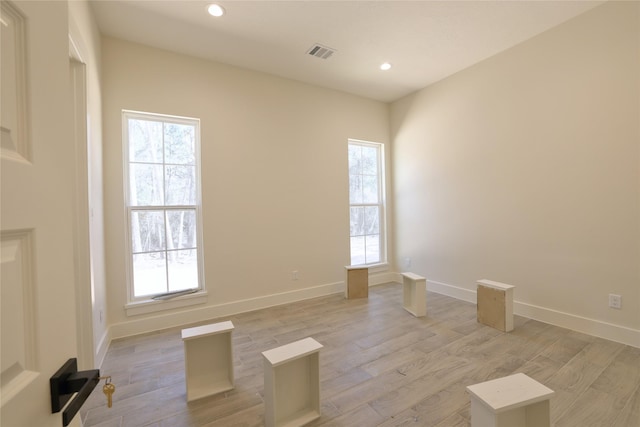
(424,40)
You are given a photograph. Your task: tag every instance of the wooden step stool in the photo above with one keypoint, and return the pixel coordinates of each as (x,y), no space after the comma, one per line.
(208,359)
(356,280)
(513,401)
(495,304)
(292,384)
(414,293)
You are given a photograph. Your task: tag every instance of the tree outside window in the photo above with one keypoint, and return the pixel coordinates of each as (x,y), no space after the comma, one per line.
(366,203)
(163,208)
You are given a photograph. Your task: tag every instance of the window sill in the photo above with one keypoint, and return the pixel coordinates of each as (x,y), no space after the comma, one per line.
(373,268)
(377,268)
(152,306)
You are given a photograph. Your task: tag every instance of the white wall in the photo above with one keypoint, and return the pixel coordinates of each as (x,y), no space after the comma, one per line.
(274,177)
(525,169)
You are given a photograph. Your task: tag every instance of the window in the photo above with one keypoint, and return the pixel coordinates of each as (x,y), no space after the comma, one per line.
(163,204)
(366,202)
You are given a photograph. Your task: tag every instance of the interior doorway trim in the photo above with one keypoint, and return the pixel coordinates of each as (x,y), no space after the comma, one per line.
(82,247)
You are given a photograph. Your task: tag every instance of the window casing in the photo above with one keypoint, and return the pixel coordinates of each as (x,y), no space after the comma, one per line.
(367,203)
(163,205)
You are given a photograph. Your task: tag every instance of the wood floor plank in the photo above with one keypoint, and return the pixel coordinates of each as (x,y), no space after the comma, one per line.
(622,375)
(630,414)
(578,374)
(113,422)
(603,411)
(433,409)
(391,361)
(454,398)
(367,391)
(441,338)
(454,421)
(250,417)
(441,373)
(379,366)
(344,381)
(600,352)
(541,368)
(566,347)
(363,415)
(209,410)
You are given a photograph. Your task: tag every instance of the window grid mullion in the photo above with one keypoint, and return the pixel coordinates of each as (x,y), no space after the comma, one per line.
(365,205)
(164,169)
(361,193)
(167,250)
(164,209)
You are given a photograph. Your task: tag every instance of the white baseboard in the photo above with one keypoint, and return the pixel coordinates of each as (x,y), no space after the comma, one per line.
(597,328)
(593,327)
(381,278)
(193,315)
(103,346)
(585,325)
(452,291)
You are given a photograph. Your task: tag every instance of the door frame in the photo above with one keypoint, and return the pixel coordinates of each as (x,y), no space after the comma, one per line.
(82,211)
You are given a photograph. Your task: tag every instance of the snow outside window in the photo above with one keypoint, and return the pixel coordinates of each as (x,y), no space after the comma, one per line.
(163,204)
(366,203)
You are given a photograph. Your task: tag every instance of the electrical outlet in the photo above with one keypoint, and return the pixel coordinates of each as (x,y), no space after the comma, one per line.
(407,262)
(294,275)
(615,301)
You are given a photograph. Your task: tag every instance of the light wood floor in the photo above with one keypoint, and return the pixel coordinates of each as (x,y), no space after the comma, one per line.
(379,366)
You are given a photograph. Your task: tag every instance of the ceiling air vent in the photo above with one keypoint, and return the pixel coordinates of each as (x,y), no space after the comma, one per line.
(320,51)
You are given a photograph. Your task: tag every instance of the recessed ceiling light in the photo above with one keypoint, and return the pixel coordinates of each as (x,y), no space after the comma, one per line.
(386,66)
(215,10)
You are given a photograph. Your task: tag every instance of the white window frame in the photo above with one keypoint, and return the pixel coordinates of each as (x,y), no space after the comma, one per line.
(147,304)
(382,264)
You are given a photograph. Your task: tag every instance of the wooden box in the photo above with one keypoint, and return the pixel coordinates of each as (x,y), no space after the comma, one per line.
(208,359)
(356,282)
(513,401)
(292,384)
(414,293)
(495,305)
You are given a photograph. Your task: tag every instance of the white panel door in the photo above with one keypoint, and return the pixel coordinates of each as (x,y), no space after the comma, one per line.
(37,168)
